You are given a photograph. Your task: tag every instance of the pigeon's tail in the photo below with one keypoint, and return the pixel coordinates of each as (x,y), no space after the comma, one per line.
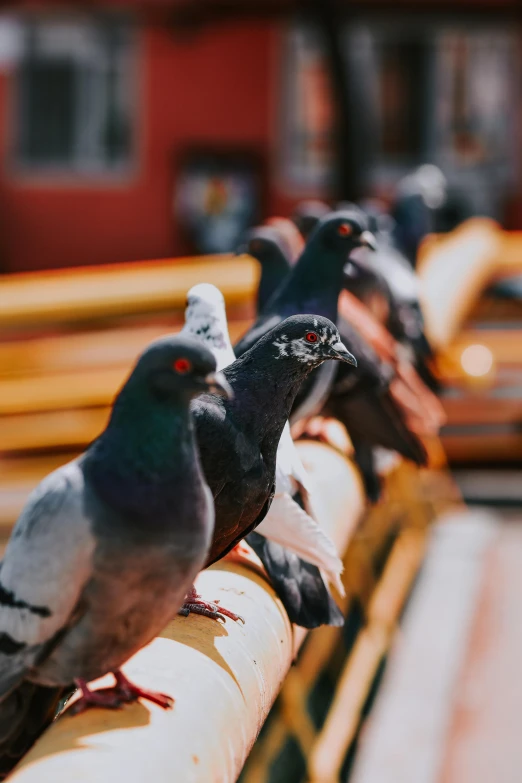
(290,526)
(24,714)
(376,419)
(423,354)
(364,459)
(298,584)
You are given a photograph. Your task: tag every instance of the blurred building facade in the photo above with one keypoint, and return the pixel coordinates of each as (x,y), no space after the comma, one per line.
(102,115)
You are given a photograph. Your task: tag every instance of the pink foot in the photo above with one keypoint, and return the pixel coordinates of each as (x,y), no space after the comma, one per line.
(196,605)
(123,692)
(108,698)
(241,550)
(130,692)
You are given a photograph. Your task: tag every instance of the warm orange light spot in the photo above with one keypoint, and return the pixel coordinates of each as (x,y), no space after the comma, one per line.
(476,360)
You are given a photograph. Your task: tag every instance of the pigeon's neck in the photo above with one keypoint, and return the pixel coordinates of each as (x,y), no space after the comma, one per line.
(265,389)
(273,272)
(313,285)
(143,458)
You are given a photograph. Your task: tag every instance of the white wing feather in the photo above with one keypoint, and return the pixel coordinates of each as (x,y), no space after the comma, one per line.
(287,524)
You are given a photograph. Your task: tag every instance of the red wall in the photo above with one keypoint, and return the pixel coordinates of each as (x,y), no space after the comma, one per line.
(214,87)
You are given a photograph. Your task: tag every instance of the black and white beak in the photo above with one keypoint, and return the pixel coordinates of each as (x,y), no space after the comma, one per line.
(367,239)
(218,384)
(340,352)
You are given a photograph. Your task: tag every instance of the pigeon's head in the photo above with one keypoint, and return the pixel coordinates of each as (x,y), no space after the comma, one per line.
(307,215)
(311,339)
(204,299)
(266,245)
(179,366)
(205,316)
(343,231)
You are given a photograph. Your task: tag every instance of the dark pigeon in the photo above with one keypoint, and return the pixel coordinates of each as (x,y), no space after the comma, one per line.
(266,244)
(388,274)
(313,286)
(238,441)
(307,215)
(105,549)
(361,400)
(419,196)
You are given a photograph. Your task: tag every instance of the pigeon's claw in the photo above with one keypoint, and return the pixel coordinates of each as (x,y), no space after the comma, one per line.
(196,605)
(228,613)
(123,692)
(129,692)
(204,608)
(108,698)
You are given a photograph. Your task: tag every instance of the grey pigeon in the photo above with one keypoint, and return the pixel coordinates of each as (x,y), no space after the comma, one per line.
(108,545)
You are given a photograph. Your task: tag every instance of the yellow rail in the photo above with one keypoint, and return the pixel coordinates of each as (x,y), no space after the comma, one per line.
(120,289)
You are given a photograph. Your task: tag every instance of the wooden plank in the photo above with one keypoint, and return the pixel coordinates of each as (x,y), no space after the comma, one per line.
(480,447)
(504,344)
(509,259)
(452,273)
(120,289)
(94,348)
(60,391)
(52,429)
(475,409)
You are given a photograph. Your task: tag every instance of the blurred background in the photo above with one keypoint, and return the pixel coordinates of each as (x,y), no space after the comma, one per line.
(118,121)
(163,129)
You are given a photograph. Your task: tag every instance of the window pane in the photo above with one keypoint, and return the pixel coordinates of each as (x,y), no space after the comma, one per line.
(75,88)
(49,110)
(402,81)
(476,100)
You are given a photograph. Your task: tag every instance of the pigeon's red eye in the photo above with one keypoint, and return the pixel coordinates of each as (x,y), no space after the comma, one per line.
(345,230)
(182,366)
(311,337)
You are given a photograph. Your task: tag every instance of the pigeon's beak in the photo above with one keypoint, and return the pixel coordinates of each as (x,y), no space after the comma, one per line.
(367,239)
(340,352)
(218,384)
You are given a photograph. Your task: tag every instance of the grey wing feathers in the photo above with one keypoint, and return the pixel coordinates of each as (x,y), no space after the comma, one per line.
(46,565)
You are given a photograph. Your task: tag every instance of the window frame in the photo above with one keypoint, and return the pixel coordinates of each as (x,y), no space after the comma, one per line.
(385,174)
(58,175)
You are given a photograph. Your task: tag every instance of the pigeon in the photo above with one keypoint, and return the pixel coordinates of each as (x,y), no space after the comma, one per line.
(313,286)
(307,215)
(289,233)
(386,283)
(106,547)
(286,523)
(265,244)
(387,277)
(238,442)
(419,195)
(363,402)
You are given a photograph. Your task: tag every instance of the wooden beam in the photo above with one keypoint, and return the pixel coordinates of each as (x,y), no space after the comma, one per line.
(89,293)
